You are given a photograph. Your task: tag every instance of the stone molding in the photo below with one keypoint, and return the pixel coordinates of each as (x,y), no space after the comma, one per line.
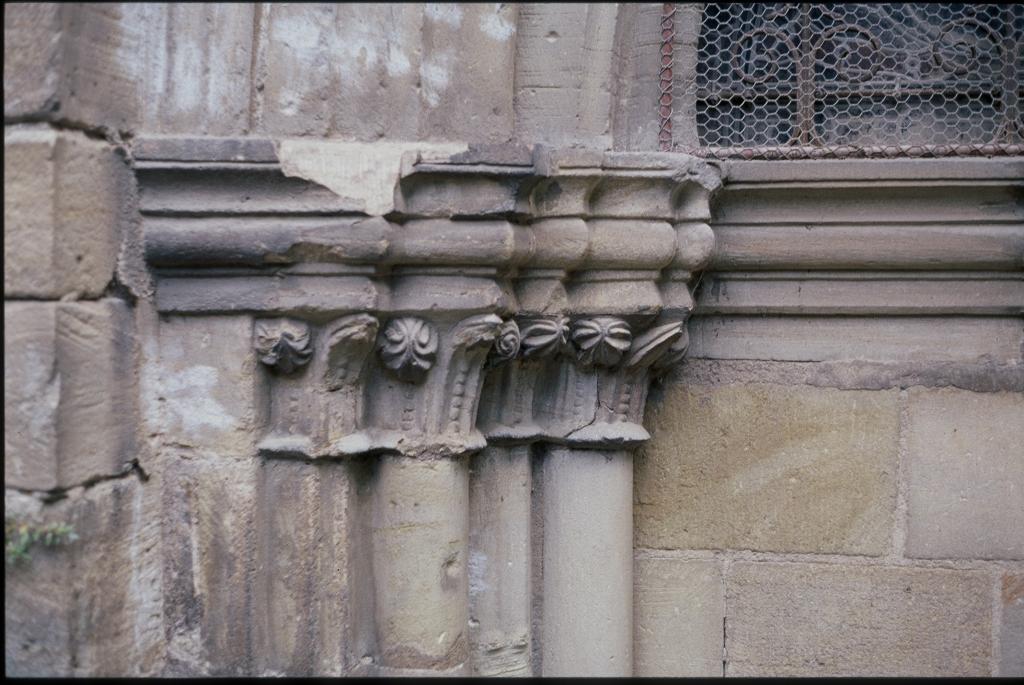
(878,238)
(550,285)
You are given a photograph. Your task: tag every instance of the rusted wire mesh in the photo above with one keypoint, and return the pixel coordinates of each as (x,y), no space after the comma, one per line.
(665,76)
(783,81)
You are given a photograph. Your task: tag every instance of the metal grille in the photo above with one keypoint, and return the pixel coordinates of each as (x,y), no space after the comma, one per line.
(782,81)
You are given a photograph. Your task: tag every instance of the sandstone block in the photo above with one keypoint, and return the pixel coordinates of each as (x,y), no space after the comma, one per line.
(75,62)
(31,395)
(564,73)
(63,212)
(768,467)
(31,57)
(69,394)
(88,607)
(788,619)
(1011,633)
(679,606)
(155,67)
(499,561)
(965,470)
(210,394)
(401,72)
(190,65)
(214,599)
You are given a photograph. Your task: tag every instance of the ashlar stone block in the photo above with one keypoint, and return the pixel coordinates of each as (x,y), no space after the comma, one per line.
(795,619)
(31,57)
(63,212)
(208,385)
(965,453)
(1011,632)
(679,606)
(769,468)
(68,394)
(90,606)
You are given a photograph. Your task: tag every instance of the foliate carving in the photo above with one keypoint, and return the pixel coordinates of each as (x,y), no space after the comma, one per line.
(506,344)
(347,346)
(543,337)
(476,331)
(600,341)
(653,344)
(675,352)
(408,348)
(283,344)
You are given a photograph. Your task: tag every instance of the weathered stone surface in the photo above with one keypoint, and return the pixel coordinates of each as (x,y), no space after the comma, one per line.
(156,67)
(789,619)
(88,607)
(564,67)
(256,568)
(190,79)
(855,375)
(768,467)
(402,72)
(365,172)
(209,385)
(833,293)
(31,395)
(1011,631)
(303,625)
(965,471)
(679,606)
(966,339)
(588,567)
(63,212)
(420,532)
(638,38)
(499,561)
(213,597)
(31,57)
(70,392)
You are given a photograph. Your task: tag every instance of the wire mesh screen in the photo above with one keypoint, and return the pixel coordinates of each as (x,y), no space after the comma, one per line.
(856,80)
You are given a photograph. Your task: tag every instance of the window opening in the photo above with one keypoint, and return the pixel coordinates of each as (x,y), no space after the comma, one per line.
(807,80)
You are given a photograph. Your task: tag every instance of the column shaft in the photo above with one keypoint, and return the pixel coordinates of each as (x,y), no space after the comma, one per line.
(499,562)
(420,532)
(588,562)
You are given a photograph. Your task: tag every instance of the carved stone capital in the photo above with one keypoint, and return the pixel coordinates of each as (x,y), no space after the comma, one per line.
(551,283)
(433,411)
(592,395)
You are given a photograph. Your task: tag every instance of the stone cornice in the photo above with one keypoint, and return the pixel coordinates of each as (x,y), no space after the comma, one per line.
(554,283)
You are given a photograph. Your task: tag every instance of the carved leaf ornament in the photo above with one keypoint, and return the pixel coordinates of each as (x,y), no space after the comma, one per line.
(543,337)
(347,345)
(653,344)
(601,341)
(408,348)
(507,343)
(284,346)
(477,331)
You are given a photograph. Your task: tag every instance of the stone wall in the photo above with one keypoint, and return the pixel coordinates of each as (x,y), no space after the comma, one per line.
(833,484)
(834,480)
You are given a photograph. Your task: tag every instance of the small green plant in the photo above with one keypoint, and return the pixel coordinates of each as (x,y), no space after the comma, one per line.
(20,536)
